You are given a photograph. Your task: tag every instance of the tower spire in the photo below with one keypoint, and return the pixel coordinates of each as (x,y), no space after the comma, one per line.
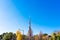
(29,22)
(29,30)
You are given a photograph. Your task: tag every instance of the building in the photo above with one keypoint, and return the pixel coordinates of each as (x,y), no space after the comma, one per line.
(29,35)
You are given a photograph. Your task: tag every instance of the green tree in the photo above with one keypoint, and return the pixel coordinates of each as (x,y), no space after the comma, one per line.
(54,36)
(24,37)
(49,37)
(9,36)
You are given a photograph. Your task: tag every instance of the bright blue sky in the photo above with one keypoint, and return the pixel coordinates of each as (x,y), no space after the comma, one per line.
(45,15)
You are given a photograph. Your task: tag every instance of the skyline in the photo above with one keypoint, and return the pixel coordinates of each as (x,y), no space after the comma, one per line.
(14,14)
